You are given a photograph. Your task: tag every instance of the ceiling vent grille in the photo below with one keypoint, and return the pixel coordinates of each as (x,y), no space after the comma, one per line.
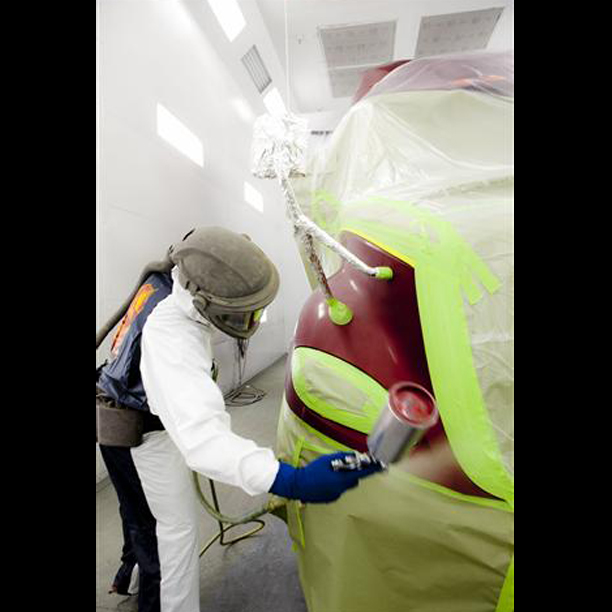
(350,50)
(256,68)
(468,31)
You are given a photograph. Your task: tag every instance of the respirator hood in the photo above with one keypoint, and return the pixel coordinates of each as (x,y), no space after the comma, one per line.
(230,278)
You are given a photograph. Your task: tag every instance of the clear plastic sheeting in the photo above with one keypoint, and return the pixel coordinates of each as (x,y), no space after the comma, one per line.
(428,174)
(423,168)
(413,146)
(488,72)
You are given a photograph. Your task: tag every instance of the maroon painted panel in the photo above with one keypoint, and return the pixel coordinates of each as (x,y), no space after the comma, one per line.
(384,338)
(385,341)
(373,75)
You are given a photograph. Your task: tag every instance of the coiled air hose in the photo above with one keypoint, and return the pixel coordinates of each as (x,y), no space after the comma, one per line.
(225,522)
(243,394)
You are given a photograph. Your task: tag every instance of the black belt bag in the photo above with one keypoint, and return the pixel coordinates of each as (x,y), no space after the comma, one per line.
(118,426)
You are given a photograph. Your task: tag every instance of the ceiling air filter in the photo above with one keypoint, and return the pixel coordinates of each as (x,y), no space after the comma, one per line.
(440,34)
(350,50)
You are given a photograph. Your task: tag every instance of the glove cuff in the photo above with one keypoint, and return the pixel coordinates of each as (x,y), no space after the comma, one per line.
(284,483)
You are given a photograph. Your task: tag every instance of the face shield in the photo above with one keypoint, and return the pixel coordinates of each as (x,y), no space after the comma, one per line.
(242,321)
(237,324)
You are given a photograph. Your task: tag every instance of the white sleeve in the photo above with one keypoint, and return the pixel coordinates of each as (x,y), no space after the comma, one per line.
(175,366)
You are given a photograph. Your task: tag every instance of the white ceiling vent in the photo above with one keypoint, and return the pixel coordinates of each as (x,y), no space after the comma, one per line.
(256,68)
(349,50)
(455,32)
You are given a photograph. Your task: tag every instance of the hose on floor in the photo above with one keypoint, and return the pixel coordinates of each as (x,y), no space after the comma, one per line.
(227,522)
(243,394)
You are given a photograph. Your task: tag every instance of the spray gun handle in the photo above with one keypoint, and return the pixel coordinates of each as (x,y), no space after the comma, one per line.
(356,461)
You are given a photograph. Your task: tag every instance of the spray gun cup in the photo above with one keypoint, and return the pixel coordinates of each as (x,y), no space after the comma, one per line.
(411,410)
(413,404)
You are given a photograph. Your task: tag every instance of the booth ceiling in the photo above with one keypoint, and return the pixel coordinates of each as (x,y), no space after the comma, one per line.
(331,42)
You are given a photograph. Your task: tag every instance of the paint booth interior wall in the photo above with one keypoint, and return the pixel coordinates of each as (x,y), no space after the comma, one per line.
(174,117)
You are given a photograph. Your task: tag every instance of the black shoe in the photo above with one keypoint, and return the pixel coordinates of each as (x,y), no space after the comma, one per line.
(121,583)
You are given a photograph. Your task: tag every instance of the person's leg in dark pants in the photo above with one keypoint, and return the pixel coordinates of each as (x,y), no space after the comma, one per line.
(140,541)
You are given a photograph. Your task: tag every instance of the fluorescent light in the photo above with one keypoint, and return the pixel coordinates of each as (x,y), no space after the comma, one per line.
(181,138)
(243,110)
(253,197)
(274,103)
(229,16)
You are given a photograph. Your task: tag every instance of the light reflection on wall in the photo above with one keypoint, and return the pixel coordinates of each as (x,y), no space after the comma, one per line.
(179,136)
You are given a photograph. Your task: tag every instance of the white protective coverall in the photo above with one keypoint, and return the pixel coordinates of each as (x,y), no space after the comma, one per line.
(176,367)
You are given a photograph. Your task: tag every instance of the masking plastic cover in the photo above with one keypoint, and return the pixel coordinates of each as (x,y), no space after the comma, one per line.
(488,72)
(428,175)
(423,168)
(397,542)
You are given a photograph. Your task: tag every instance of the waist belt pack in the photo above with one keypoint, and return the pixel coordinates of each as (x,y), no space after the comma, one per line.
(116,425)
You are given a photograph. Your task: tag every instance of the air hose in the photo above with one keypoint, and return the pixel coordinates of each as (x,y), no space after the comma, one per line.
(227,522)
(243,394)
(154,266)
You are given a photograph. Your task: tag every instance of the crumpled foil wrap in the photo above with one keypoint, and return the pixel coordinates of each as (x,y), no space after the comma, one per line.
(279,143)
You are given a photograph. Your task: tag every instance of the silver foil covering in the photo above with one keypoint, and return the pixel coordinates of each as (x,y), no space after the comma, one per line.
(279,151)
(279,142)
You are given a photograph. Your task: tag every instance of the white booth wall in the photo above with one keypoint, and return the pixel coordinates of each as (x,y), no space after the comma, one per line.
(163,64)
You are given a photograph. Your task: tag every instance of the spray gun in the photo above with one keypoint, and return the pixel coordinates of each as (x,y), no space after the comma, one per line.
(409,413)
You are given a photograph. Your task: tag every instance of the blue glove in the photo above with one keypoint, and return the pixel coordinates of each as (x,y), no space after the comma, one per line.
(318,482)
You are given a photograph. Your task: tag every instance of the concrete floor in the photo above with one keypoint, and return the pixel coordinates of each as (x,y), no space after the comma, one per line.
(256,575)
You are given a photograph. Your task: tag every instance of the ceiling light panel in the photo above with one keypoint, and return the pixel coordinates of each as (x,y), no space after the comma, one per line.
(274,104)
(253,197)
(439,34)
(358,45)
(229,15)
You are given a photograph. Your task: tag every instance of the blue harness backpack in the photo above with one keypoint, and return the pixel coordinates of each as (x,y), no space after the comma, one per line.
(119,379)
